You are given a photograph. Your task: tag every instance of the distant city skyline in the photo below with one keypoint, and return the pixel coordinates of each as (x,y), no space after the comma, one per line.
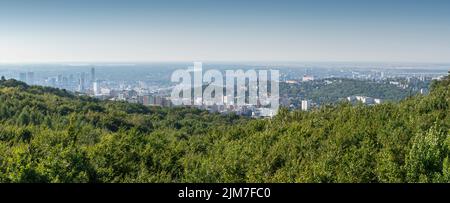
(174,30)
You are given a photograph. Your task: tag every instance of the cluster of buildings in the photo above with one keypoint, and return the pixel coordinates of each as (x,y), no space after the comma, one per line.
(81,82)
(305,78)
(133,96)
(163,100)
(27,77)
(248,110)
(364,100)
(124,89)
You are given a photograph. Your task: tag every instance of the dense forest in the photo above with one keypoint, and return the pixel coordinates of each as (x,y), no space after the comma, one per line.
(50,135)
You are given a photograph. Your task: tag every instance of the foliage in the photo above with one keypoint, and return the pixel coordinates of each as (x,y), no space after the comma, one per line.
(50,135)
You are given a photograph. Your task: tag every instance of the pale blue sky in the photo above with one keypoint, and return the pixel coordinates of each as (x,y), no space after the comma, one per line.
(232,30)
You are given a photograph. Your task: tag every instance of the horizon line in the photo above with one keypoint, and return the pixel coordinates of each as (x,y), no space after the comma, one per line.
(134,62)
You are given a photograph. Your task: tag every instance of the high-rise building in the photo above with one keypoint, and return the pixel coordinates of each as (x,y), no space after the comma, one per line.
(158,101)
(96,88)
(148,100)
(82,82)
(306,105)
(93,75)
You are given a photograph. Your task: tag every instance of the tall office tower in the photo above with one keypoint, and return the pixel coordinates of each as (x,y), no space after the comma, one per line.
(96,88)
(92,74)
(82,82)
(30,78)
(23,77)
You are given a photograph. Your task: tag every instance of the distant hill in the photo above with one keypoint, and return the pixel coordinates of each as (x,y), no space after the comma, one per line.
(335,89)
(51,135)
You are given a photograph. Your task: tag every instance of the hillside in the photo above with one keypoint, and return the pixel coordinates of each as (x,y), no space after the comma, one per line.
(335,89)
(49,135)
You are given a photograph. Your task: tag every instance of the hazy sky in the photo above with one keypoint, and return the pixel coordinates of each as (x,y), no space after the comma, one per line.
(225,30)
